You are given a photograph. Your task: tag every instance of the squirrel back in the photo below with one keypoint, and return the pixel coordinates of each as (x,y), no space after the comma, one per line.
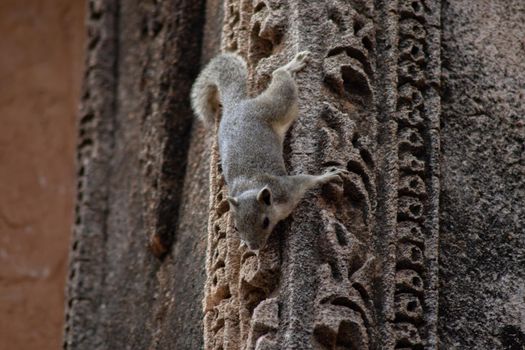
(224,77)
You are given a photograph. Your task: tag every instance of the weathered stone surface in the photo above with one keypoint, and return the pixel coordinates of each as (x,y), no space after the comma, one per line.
(356,265)
(482,248)
(143,175)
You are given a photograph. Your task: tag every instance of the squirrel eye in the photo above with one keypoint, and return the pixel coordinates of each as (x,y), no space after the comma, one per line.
(265,223)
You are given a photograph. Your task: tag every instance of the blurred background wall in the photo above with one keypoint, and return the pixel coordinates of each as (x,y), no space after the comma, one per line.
(41,59)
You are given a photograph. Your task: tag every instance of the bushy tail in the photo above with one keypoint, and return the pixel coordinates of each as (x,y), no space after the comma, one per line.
(226,75)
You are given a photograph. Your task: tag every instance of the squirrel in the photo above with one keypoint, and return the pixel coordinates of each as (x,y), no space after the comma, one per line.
(250,136)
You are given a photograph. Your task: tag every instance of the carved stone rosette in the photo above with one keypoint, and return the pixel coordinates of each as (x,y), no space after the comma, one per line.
(355,267)
(414,316)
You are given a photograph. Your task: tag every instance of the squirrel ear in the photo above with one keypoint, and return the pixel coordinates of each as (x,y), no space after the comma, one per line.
(233,201)
(265,196)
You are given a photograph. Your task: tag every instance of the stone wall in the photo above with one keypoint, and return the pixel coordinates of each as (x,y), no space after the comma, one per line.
(418,247)
(138,246)
(356,265)
(482,254)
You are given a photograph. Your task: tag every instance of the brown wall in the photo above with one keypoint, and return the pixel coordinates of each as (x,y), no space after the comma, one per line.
(41,50)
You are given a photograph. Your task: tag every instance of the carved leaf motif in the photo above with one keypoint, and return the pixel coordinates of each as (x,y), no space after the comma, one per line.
(349,62)
(344,303)
(267,26)
(346,75)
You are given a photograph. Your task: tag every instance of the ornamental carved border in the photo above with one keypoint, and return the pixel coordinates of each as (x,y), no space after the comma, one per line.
(94,151)
(355,267)
(417,118)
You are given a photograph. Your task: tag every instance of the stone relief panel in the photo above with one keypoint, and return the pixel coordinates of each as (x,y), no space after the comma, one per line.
(239,310)
(345,311)
(248,300)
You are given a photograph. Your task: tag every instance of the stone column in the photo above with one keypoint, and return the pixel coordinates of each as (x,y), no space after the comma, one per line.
(356,265)
(138,246)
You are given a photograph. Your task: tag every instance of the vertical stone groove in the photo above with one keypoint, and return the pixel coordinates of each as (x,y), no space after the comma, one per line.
(166,119)
(97,111)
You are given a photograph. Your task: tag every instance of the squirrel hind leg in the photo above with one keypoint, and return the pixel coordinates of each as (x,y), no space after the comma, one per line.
(279,98)
(298,62)
(278,103)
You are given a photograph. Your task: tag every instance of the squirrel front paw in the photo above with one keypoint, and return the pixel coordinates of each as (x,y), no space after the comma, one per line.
(332,173)
(298,62)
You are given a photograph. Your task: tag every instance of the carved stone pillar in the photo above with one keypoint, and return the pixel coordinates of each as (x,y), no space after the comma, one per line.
(356,265)
(141,181)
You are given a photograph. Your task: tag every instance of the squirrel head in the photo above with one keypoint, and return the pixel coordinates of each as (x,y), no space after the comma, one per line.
(254,215)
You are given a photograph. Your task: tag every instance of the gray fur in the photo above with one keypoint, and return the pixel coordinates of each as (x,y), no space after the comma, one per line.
(226,75)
